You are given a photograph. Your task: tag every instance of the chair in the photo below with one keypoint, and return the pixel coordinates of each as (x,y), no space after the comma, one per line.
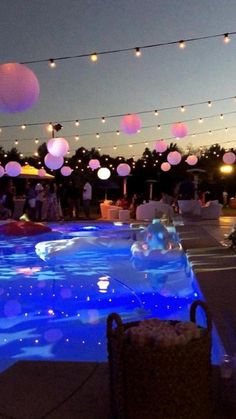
(212,210)
(189,207)
(153,209)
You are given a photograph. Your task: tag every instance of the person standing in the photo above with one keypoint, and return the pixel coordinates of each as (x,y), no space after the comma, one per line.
(39,189)
(87,196)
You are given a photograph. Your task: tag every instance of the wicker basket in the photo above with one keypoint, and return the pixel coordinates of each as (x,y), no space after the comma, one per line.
(159,382)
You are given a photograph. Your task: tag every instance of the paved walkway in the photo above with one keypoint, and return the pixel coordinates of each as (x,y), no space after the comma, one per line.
(37,390)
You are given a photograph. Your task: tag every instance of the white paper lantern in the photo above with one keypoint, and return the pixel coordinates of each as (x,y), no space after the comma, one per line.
(174,157)
(13,168)
(2,171)
(123,169)
(94,164)
(66,170)
(192,160)
(53,162)
(229,157)
(57,147)
(160,146)
(104,173)
(165,166)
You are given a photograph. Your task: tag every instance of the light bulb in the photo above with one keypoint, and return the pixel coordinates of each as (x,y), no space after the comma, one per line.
(94,57)
(52,63)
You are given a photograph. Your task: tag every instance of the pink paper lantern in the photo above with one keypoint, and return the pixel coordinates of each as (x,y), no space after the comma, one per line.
(165,166)
(66,170)
(123,169)
(42,172)
(19,88)
(131,124)
(174,158)
(58,147)
(160,146)
(179,130)
(229,157)
(13,168)
(104,173)
(192,160)
(2,171)
(53,162)
(94,164)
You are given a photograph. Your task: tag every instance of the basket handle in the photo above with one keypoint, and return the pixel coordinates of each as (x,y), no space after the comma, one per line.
(193,309)
(114,317)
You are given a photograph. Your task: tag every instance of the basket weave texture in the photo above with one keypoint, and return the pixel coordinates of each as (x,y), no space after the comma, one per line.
(159,382)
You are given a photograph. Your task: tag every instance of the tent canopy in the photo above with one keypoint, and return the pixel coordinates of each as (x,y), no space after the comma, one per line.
(28,171)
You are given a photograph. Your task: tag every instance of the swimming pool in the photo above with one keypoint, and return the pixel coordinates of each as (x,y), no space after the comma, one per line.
(57,309)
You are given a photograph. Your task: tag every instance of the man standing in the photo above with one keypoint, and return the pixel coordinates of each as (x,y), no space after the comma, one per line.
(87,196)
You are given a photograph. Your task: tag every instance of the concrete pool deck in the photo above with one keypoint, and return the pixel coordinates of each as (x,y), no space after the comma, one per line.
(60,390)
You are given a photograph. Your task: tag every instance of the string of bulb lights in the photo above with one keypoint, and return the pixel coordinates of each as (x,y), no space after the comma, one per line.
(137,50)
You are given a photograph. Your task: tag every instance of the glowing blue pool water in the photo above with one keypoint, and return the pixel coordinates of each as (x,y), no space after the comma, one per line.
(58,310)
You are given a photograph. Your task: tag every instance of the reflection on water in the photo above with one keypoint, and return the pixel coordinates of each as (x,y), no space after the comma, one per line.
(57,310)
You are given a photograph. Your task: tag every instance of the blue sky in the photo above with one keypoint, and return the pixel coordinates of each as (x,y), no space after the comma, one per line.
(121,83)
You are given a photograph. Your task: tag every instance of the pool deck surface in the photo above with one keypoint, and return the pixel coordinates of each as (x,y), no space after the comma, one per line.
(69,390)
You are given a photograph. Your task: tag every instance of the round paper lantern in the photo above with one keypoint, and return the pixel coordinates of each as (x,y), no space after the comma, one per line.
(179,130)
(94,164)
(123,169)
(13,168)
(2,171)
(160,146)
(130,124)
(58,147)
(229,157)
(104,173)
(66,170)
(174,157)
(19,88)
(53,162)
(192,160)
(42,172)
(165,166)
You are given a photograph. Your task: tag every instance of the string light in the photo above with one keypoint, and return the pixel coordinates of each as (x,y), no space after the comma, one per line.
(156,113)
(23,126)
(16,142)
(103,120)
(158,127)
(36,140)
(51,63)
(97,135)
(200,120)
(221,116)
(182,108)
(117,132)
(94,57)
(209,103)
(77,123)
(182,44)
(226,38)
(138,52)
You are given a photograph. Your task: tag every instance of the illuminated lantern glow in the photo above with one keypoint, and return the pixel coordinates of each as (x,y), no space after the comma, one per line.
(53,162)
(160,146)
(19,88)
(192,160)
(123,169)
(42,172)
(13,168)
(66,170)
(179,130)
(131,124)
(165,167)
(174,158)
(57,147)
(104,173)
(229,157)
(94,164)
(2,171)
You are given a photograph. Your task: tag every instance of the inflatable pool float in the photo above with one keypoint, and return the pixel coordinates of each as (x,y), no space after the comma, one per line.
(67,248)
(145,257)
(23,228)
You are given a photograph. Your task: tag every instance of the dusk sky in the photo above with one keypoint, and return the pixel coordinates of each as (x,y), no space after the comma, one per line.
(121,83)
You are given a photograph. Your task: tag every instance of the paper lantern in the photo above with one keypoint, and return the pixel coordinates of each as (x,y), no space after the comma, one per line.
(2,171)
(174,157)
(160,146)
(57,147)
(130,124)
(179,130)
(66,170)
(53,162)
(104,173)
(165,166)
(192,160)
(13,168)
(229,157)
(94,164)
(123,169)
(42,172)
(19,88)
